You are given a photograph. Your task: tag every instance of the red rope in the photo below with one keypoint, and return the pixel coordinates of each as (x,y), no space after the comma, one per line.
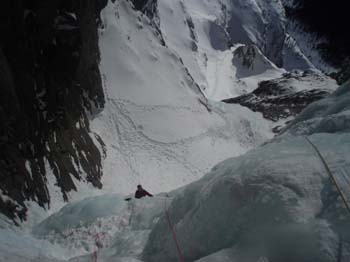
(98,243)
(94,256)
(181,259)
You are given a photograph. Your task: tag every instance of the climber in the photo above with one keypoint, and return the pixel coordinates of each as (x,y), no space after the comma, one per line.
(140,192)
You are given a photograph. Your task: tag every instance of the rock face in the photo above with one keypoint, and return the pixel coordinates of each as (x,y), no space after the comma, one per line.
(148,7)
(279,98)
(326,21)
(49,77)
(259,22)
(249,61)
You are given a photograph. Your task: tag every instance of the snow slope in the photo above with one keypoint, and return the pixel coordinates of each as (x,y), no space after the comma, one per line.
(158,127)
(205,34)
(198,32)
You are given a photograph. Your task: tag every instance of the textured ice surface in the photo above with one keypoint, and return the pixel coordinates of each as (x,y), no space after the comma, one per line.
(269,202)
(81,213)
(276,202)
(328,115)
(20,247)
(118,234)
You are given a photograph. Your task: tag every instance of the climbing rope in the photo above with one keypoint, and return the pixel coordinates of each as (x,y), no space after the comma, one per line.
(329,172)
(173,233)
(99,244)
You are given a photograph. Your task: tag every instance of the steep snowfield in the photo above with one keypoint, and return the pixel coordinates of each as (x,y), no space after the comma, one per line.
(294,58)
(205,34)
(202,33)
(158,127)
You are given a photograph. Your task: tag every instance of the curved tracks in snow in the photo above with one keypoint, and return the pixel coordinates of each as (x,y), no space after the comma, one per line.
(138,149)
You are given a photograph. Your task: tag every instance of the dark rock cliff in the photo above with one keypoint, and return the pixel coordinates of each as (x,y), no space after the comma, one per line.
(329,20)
(278,99)
(148,7)
(49,77)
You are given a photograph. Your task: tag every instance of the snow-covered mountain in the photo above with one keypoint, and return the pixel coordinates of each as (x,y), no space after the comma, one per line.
(165,67)
(164,64)
(159,127)
(215,29)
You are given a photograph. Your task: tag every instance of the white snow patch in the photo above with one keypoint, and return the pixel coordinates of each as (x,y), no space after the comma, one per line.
(29,169)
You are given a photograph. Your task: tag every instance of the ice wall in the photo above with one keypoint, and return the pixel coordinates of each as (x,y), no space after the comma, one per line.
(276,203)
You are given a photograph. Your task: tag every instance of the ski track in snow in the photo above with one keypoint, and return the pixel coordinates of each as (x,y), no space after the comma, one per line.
(156,129)
(130,137)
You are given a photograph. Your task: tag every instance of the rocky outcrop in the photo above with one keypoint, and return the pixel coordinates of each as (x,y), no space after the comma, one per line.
(279,98)
(261,23)
(343,74)
(49,77)
(249,61)
(149,7)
